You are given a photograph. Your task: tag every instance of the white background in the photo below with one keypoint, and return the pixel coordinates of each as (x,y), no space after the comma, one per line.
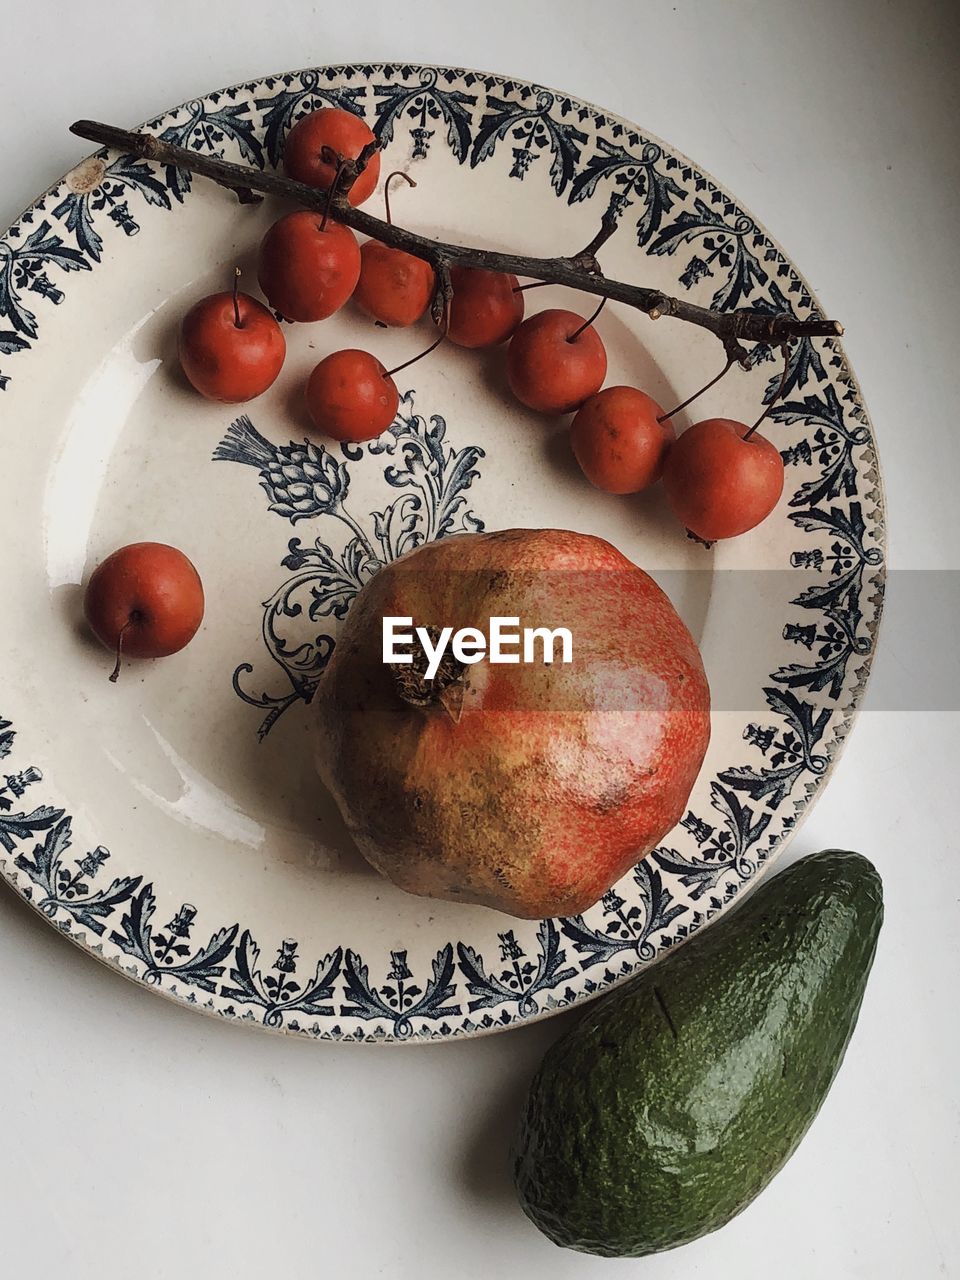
(137,1139)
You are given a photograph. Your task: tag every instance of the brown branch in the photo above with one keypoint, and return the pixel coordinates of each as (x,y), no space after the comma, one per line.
(665,417)
(732,328)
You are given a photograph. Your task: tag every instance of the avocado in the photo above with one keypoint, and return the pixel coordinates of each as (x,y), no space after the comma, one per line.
(676,1099)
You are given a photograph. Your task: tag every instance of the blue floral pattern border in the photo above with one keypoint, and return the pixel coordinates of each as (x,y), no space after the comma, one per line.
(675,211)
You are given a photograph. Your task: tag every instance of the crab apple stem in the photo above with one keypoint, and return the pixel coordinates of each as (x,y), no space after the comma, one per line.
(587,323)
(413,359)
(132,620)
(664,417)
(536,284)
(397,173)
(326,152)
(236,304)
(785,352)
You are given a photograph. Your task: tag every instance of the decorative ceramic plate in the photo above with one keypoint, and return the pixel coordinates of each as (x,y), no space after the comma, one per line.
(171,824)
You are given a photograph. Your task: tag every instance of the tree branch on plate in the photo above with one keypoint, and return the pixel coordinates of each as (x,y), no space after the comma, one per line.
(581,271)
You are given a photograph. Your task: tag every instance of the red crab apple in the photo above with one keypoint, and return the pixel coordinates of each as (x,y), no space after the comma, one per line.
(555,361)
(619,440)
(144,601)
(527,787)
(339,131)
(231,348)
(394,287)
(351,397)
(721,478)
(485,309)
(308,266)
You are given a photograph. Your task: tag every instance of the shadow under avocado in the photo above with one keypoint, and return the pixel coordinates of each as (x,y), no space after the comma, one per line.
(485,1168)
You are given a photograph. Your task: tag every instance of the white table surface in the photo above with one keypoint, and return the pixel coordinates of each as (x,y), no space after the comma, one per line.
(140,1140)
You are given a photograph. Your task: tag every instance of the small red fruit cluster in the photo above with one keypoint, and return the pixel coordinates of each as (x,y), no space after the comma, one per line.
(721,478)
(231,346)
(146,599)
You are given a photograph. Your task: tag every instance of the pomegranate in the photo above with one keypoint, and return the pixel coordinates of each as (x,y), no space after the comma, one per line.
(527,787)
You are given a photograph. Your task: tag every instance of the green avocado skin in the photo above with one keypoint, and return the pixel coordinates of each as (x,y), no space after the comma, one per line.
(676,1099)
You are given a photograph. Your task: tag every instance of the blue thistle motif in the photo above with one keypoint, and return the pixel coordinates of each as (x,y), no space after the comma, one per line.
(832,442)
(279,996)
(611,902)
(91,862)
(168,947)
(182,923)
(700,830)
(805,727)
(634,176)
(31,276)
(421,142)
(695,270)
(71,885)
(523,157)
(121,217)
(726,245)
(162,954)
(398,1000)
(15,784)
(626,929)
(399,970)
(522,978)
(798,455)
(62,890)
(110,185)
(305,482)
(23,270)
(510,949)
(805,635)
(424,103)
(535,128)
(761,736)
(807,559)
(301,481)
(726,851)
